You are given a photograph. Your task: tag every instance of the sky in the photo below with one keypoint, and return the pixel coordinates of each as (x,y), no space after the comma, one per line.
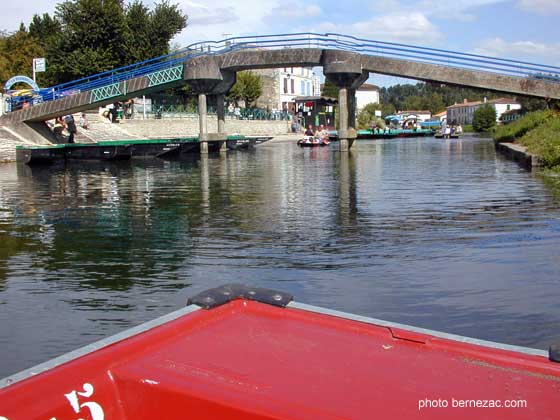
(518,29)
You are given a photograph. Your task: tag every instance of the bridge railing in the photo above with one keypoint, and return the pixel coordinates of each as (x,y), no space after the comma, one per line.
(334,41)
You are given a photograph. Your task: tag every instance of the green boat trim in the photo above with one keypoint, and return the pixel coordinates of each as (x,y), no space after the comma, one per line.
(127,142)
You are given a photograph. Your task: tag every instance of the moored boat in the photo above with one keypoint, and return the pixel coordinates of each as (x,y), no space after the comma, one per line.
(440,135)
(309,141)
(245,352)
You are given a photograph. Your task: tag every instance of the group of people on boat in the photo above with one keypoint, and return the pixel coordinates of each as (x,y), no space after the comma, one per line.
(319,137)
(450,131)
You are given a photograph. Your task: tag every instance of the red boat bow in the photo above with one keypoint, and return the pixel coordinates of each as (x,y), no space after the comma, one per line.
(244,359)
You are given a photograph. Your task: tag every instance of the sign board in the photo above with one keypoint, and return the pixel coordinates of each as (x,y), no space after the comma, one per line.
(39,65)
(21,79)
(378,113)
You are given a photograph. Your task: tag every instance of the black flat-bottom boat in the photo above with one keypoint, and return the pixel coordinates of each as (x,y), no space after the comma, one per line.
(308,143)
(119,149)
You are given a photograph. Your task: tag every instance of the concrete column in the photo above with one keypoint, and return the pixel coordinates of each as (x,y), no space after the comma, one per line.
(352,108)
(203,124)
(221,111)
(343,119)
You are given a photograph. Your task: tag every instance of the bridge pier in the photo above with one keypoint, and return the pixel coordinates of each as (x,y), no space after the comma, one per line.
(206,78)
(221,111)
(344,69)
(202,124)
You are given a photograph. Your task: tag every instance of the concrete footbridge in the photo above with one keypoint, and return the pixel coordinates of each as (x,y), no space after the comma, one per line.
(210,69)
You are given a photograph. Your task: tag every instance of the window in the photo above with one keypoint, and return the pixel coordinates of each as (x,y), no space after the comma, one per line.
(302,87)
(293,84)
(285,85)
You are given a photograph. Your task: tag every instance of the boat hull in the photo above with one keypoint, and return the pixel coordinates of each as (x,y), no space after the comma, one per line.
(121,149)
(302,143)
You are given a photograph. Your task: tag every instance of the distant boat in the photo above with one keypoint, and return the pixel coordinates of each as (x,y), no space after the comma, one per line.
(312,142)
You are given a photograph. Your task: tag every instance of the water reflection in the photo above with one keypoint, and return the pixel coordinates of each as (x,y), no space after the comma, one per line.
(440,234)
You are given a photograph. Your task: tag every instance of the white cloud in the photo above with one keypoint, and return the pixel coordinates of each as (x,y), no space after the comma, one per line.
(522,50)
(313,10)
(291,10)
(200,14)
(458,10)
(543,7)
(408,27)
(233,19)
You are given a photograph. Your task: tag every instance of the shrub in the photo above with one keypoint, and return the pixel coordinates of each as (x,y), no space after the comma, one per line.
(367,118)
(544,141)
(484,118)
(520,127)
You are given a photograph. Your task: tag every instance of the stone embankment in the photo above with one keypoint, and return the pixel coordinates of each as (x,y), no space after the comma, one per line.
(101,129)
(519,154)
(8,142)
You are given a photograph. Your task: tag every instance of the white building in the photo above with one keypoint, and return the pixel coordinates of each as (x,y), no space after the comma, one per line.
(366,94)
(296,81)
(442,116)
(281,86)
(503,105)
(463,113)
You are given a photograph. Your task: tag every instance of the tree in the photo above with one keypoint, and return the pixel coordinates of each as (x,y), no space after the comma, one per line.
(248,87)
(367,117)
(167,21)
(90,36)
(93,39)
(45,29)
(431,96)
(16,54)
(330,90)
(484,118)
(529,104)
(151,31)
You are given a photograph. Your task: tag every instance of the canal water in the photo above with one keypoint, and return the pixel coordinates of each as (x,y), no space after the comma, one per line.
(439,234)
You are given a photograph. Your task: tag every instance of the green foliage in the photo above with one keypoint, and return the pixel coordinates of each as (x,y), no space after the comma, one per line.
(248,87)
(89,36)
(16,54)
(367,118)
(544,141)
(529,104)
(429,96)
(330,90)
(151,31)
(484,118)
(518,128)
(167,20)
(387,109)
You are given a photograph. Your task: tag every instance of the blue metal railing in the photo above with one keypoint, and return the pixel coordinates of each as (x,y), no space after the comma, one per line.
(335,41)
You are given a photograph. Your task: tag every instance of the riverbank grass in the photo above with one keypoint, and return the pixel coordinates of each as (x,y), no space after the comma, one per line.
(539,132)
(517,129)
(544,141)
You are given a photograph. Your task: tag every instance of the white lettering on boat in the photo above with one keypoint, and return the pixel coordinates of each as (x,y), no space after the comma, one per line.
(95,409)
(146,381)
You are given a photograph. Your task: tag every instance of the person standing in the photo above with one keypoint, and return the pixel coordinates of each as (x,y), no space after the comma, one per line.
(70,126)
